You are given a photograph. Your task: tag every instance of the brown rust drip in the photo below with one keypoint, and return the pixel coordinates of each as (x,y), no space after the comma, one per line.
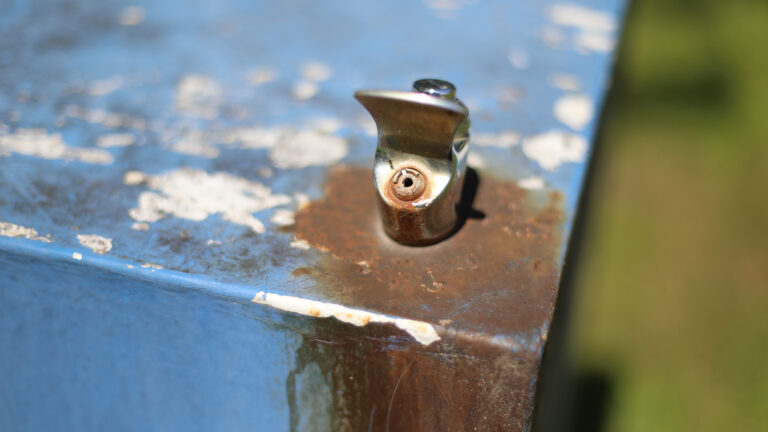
(496,276)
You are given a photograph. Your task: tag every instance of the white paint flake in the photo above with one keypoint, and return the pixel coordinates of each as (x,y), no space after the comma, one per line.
(131,16)
(554,148)
(595,42)
(423,332)
(77,256)
(105,86)
(140,226)
(261,75)
(96,243)
(505,139)
(8,229)
(195,194)
(291,148)
(532,183)
(564,81)
(198,96)
(582,17)
(574,110)
(283,217)
(596,29)
(133,178)
(316,71)
(40,143)
(193,143)
(306,148)
(255,137)
(302,200)
(300,244)
(305,90)
(116,140)
(152,266)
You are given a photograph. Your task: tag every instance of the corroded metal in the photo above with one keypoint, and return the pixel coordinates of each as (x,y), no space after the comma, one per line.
(420,159)
(187,224)
(503,260)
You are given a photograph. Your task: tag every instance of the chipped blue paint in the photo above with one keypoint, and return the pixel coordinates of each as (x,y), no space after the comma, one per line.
(103,331)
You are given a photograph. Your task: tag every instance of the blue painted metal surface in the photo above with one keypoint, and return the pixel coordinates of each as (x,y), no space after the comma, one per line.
(151,154)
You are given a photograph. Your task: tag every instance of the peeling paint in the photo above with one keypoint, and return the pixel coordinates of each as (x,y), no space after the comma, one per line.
(77,256)
(595,28)
(140,226)
(8,229)
(305,148)
(256,137)
(574,110)
(198,96)
(316,71)
(423,332)
(261,75)
(554,148)
(531,183)
(116,140)
(302,199)
(40,143)
(582,17)
(305,90)
(193,143)
(291,148)
(596,42)
(96,243)
(195,194)
(152,266)
(506,139)
(105,86)
(300,244)
(282,217)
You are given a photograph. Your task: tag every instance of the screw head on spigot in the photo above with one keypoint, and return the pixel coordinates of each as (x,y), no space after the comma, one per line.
(435,87)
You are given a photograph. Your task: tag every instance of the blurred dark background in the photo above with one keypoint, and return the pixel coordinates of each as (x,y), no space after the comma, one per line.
(670,325)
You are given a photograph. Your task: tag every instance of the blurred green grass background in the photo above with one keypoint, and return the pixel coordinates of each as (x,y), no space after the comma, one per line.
(672,285)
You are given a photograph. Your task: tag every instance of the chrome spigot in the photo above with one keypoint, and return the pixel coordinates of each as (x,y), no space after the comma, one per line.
(421,158)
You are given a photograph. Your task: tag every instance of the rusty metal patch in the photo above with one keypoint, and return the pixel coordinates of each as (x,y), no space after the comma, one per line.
(489,290)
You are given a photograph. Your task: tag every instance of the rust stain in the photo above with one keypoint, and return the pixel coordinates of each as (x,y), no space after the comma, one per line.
(496,276)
